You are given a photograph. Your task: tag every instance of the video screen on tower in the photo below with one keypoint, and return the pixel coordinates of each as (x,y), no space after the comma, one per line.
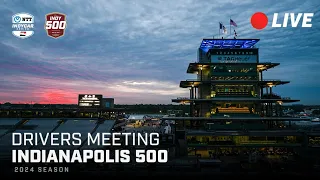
(234,55)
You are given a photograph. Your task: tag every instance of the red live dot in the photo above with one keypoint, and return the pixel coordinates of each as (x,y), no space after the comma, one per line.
(259,20)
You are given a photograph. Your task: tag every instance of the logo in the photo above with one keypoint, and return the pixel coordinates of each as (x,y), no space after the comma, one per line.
(22,25)
(55,24)
(227,59)
(259,20)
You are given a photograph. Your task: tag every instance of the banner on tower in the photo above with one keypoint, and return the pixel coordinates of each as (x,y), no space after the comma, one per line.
(234,55)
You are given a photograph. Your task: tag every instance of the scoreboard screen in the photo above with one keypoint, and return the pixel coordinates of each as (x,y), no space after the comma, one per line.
(89,100)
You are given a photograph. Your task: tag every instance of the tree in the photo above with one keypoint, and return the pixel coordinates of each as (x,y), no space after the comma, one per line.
(316,112)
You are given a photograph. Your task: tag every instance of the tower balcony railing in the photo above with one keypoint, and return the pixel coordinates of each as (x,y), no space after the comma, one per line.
(244,142)
(233,78)
(274,96)
(271,80)
(223,73)
(245,127)
(233,94)
(183,98)
(271,96)
(286,98)
(199,79)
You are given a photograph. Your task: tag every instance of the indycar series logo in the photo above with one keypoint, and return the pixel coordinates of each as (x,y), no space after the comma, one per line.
(22,25)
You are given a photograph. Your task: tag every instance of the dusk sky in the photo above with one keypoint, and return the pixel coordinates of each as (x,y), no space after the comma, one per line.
(138,51)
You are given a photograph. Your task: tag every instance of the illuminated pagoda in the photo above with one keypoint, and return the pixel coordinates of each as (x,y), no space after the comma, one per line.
(229,81)
(233,109)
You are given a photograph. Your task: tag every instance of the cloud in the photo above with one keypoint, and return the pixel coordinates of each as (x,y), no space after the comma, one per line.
(138,51)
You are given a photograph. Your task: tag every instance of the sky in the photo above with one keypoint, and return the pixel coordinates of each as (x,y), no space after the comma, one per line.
(138,51)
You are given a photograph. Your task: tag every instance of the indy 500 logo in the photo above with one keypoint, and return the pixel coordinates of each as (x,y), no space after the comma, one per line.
(55,24)
(22,25)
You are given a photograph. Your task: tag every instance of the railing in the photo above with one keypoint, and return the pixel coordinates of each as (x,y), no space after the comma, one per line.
(203,79)
(274,96)
(234,78)
(230,142)
(209,79)
(221,73)
(246,127)
(236,127)
(245,94)
(271,96)
(271,80)
(183,98)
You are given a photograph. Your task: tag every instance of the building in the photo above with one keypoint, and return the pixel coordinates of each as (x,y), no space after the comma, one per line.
(89,106)
(108,102)
(234,111)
